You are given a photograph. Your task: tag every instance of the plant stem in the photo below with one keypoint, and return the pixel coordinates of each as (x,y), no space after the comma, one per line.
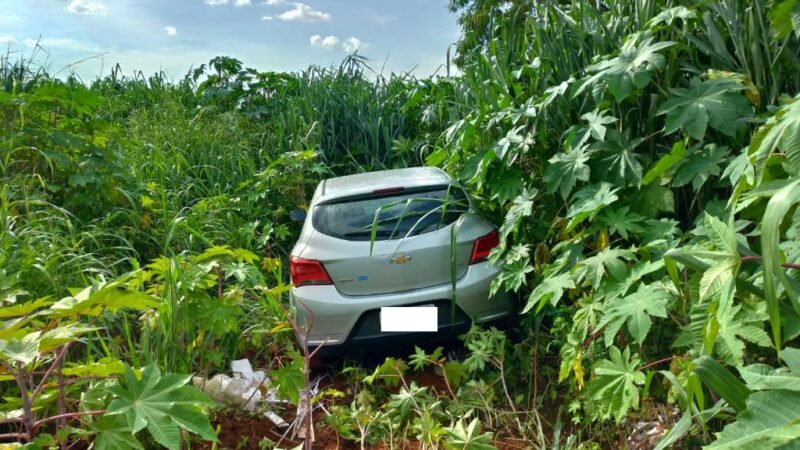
(67,416)
(15,436)
(62,405)
(499,364)
(660,361)
(758,258)
(447,384)
(27,409)
(49,371)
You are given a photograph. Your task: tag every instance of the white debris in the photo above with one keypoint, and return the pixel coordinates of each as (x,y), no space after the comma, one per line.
(243,369)
(276,419)
(249,388)
(245,389)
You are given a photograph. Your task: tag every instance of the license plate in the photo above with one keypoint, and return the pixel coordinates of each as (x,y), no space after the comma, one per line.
(409,319)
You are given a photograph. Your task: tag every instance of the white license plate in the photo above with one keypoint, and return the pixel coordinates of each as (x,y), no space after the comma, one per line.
(409,319)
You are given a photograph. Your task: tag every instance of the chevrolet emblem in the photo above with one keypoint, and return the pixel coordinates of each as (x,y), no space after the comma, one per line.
(402,259)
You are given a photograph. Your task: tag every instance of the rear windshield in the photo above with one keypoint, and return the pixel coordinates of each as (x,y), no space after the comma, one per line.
(398,216)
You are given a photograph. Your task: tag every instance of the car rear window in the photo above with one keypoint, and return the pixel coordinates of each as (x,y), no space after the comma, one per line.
(401,215)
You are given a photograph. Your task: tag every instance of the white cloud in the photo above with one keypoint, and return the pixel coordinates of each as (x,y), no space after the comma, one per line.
(227,2)
(267,18)
(304,13)
(351,44)
(328,42)
(7,39)
(274,2)
(63,43)
(170,30)
(332,42)
(86,8)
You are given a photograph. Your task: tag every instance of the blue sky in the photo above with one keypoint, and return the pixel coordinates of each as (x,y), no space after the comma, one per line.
(280,35)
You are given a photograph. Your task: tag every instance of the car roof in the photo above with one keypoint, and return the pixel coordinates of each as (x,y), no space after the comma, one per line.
(361,183)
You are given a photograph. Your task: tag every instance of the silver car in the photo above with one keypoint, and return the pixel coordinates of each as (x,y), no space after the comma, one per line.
(374,263)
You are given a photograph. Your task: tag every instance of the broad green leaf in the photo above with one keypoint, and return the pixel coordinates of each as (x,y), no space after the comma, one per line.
(666,163)
(165,432)
(632,68)
(104,367)
(653,200)
(513,276)
(113,433)
(110,296)
(781,132)
(23,351)
(566,169)
(662,229)
(193,420)
(15,328)
(700,166)
(619,162)
(760,377)
(597,123)
(214,252)
(590,200)
(290,380)
(419,359)
(621,221)
(785,17)
(770,421)
(455,372)
(57,337)
(734,328)
(403,403)
(468,437)
(162,404)
(505,185)
(606,261)
(522,207)
(716,103)
(670,15)
(634,310)
(615,390)
(614,288)
(719,279)
(552,289)
(22,309)
(740,169)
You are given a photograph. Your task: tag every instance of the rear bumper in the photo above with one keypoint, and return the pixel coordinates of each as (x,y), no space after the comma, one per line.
(340,319)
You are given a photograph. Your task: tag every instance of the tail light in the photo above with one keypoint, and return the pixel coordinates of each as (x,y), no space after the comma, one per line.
(483,246)
(308,272)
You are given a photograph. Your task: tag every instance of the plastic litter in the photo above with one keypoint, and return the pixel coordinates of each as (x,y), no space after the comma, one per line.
(276,419)
(245,389)
(248,388)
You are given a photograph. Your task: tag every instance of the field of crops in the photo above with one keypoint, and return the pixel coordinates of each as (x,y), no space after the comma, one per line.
(640,157)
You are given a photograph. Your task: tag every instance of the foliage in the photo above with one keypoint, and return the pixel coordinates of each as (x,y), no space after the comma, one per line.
(648,208)
(35,341)
(640,159)
(161,404)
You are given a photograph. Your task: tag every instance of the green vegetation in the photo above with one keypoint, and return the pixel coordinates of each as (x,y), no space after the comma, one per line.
(641,158)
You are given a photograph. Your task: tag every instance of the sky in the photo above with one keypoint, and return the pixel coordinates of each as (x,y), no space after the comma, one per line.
(91,36)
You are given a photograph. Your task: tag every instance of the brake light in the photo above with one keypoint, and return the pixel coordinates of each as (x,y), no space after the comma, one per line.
(308,272)
(483,246)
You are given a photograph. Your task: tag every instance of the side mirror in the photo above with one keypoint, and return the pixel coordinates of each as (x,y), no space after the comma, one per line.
(297,215)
